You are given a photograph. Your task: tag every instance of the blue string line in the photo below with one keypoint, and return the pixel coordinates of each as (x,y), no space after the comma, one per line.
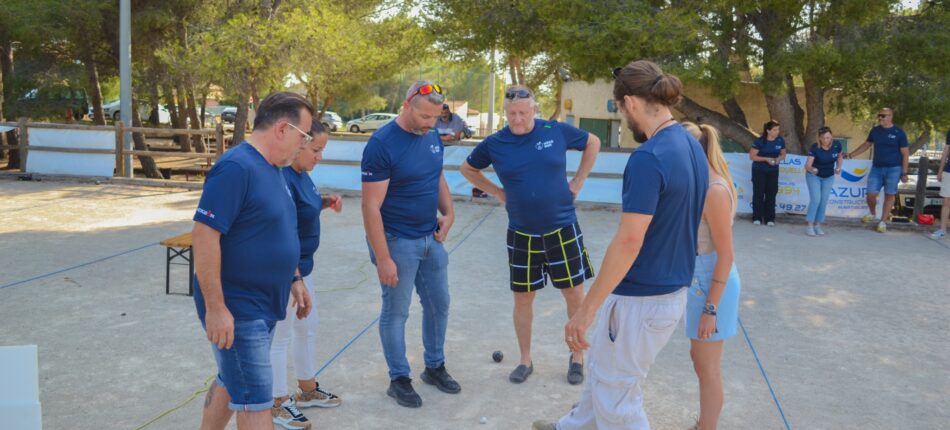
(375,320)
(762,369)
(12,284)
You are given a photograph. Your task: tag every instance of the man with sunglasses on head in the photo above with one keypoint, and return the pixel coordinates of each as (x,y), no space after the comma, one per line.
(544,237)
(403,192)
(891,157)
(246,251)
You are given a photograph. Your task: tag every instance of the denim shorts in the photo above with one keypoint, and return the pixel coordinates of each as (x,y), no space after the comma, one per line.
(887,177)
(245,370)
(727,314)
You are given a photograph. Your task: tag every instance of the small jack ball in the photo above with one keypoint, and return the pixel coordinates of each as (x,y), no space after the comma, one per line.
(497,356)
(483,420)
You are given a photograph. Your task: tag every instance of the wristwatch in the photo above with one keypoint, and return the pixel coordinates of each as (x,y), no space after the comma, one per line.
(296,278)
(709,309)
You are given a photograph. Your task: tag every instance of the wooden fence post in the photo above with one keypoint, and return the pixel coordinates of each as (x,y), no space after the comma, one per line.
(920,194)
(219,145)
(24,142)
(119,146)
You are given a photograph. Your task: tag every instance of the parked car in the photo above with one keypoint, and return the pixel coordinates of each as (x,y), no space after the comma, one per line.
(53,102)
(331,121)
(906,193)
(229,115)
(369,122)
(111,110)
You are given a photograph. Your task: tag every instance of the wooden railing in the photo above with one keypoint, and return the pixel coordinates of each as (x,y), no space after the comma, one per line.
(24,147)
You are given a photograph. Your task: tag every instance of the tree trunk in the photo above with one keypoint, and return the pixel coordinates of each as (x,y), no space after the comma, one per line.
(815,109)
(922,140)
(204,105)
(149,167)
(193,119)
(240,120)
(154,117)
(95,90)
(558,87)
(183,117)
(729,128)
(511,69)
(781,109)
(797,107)
(173,115)
(6,74)
(735,112)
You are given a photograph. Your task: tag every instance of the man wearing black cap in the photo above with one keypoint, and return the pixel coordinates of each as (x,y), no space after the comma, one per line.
(449,125)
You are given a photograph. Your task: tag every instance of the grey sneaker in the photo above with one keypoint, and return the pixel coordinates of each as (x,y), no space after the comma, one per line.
(818,230)
(770,223)
(756,222)
(521,373)
(939,234)
(810,231)
(575,371)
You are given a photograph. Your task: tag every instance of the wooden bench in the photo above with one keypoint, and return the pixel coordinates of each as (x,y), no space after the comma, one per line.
(179,248)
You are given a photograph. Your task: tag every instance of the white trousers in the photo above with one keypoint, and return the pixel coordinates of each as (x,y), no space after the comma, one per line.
(628,334)
(304,335)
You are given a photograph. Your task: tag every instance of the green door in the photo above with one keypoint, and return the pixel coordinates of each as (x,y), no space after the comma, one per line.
(597,127)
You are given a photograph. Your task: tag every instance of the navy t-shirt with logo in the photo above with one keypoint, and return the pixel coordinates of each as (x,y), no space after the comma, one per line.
(768,149)
(309,204)
(825,159)
(247,200)
(533,170)
(413,166)
(666,177)
(887,146)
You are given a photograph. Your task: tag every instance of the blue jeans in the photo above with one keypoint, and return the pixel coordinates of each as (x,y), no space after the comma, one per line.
(421,263)
(818,191)
(886,177)
(244,369)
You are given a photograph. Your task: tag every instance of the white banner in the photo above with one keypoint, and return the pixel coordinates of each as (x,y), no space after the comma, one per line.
(64,163)
(847,195)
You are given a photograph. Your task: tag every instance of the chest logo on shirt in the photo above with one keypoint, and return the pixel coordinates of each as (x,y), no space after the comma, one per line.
(542,145)
(435,149)
(892,136)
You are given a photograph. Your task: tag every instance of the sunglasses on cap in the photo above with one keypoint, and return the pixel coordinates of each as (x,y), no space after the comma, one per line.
(517,94)
(426,90)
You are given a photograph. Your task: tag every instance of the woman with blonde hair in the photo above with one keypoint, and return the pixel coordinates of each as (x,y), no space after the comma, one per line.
(712,307)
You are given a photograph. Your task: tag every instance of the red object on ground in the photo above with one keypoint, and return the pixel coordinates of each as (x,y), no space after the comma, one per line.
(925,219)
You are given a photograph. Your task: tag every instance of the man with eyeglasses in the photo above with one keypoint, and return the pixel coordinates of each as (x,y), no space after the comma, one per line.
(403,191)
(246,252)
(891,157)
(544,237)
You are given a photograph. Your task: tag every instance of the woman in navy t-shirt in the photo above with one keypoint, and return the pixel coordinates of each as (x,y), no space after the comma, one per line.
(766,154)
(824,162)
(294,334)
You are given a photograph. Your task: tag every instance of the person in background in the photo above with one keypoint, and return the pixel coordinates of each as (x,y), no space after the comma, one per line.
(449,125)
(943,176)
(766,154)
(891,159)
(824,162)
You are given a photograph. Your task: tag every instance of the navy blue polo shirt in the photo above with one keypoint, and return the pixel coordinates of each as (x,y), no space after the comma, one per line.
(665,177)
(309,204)
(768,149)
(887,146)
(825,159)
(413,166)
(247,200)
(533,170)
